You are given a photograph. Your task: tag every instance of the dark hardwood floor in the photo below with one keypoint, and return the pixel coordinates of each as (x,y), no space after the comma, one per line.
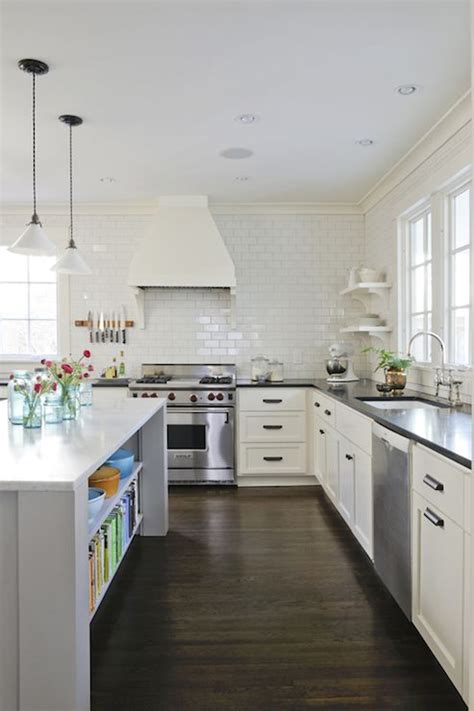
(257,599)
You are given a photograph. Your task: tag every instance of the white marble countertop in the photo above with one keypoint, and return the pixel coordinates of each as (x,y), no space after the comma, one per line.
(59,457)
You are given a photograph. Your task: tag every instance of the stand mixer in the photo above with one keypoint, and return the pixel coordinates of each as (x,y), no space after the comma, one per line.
(339,364)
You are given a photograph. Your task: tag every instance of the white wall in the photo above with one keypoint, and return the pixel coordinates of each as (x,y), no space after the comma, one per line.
(290,269)
(440,156)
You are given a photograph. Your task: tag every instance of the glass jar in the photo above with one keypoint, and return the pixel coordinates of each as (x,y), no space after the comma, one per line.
(260,368)
(85,393)
(70,401)
(52,409)
(16,399)
(276,371)
(32,411)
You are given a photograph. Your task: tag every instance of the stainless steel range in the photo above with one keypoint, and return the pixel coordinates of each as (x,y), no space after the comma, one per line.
(200,419)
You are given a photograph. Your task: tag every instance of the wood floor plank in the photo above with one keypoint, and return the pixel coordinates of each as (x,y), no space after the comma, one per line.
(259,600)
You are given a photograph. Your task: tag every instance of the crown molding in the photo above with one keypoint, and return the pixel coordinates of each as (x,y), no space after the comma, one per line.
(286,208)
(446,128)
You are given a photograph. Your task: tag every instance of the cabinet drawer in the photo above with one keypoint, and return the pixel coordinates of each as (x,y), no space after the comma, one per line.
(324,407)
(440,482)
(268,399)
(272,427)
(355,427)
(263,459)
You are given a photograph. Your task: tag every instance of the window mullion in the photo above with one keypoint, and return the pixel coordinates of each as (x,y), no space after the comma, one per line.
(438,276)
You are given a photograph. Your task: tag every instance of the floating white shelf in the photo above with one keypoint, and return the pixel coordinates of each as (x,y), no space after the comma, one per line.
(108,583)
(366,329)
(368,287)
(109,504)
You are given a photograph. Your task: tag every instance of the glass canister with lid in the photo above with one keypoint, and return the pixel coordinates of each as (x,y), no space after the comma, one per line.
(20,379)
(276,371)
(260,368)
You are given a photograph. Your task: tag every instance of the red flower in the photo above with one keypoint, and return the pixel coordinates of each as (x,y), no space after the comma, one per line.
(67,368)
(90,368)
(11,376)
(43,361)
(87,354)
(60,375)
(48,363)
(38,378)
(37,387)
(55,386)
(85,375)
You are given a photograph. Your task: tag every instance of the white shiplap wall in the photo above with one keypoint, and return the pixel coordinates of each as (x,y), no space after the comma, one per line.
(290,269)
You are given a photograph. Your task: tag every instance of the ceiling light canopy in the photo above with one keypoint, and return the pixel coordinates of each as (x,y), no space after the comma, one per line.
(236,153)
(72,262)
(34,241)
(406,89)
(365,142)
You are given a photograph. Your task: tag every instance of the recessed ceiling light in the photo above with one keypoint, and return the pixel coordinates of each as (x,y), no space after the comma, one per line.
(107,179)
(365,142)
(406,89)
(236,153)
(247,118)
(242,178)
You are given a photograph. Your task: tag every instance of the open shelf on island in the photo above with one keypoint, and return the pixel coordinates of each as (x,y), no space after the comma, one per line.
(110,503)
(124,552)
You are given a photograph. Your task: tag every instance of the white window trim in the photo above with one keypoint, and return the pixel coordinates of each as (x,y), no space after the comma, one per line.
(439,202)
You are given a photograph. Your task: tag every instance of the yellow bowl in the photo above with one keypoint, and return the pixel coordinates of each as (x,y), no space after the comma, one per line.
(106,478)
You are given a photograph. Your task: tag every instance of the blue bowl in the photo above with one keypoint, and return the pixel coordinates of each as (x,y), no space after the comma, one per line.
(123,459)
(96,501)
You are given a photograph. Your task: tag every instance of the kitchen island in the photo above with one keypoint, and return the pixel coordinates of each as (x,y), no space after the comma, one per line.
(44,540)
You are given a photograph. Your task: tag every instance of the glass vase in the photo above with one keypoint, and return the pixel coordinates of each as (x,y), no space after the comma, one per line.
(16,399)
(70,401)
(52,409)
(32,412)
(85,394)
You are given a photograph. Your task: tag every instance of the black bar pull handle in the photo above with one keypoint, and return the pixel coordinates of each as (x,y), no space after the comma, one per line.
(433,518)
(349,457)
(272,427)
(433,483)
(327,412)
(273,459)
(322,432)
(269,400)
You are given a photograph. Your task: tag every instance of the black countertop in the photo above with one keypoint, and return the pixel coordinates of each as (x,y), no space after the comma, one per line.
(445,430)
(288,383)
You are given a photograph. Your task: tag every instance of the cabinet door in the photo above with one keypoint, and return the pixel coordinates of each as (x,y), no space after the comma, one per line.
(346,480)
(331,475)
(320,451)
(363,507)
(437,560)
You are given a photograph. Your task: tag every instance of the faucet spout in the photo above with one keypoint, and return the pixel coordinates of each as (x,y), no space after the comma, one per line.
(437,338)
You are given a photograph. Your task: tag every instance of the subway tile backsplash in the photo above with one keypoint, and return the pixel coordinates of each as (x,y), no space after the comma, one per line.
(290,270)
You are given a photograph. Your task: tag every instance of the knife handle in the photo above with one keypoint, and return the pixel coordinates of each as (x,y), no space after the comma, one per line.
(124,340)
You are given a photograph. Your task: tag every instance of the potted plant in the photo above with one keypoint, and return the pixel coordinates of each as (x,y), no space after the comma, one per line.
(395,366)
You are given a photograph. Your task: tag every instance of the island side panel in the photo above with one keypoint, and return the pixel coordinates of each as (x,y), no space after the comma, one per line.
(154,480)
(53,579)
(9,601)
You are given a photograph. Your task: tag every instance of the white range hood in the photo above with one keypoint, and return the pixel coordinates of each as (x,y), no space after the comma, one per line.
(181,248)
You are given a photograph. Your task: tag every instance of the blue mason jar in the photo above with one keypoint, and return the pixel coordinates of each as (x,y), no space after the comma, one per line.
(16,399)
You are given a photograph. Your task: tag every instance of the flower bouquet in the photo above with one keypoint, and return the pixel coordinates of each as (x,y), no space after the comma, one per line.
(32,392)
(68,374)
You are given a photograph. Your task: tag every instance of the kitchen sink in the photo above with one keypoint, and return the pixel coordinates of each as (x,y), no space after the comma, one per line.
(401,403)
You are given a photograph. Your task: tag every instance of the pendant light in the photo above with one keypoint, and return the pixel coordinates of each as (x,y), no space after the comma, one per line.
(33,241)
(72,262)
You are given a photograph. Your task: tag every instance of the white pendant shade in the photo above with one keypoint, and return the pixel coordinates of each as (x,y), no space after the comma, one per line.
(71,262)
(33,242)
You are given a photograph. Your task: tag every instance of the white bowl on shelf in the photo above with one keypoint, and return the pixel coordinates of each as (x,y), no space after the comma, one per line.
(371,320)
(366,274)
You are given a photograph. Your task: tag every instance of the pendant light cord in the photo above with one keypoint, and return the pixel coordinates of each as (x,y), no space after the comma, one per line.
(71,236)
(35,218)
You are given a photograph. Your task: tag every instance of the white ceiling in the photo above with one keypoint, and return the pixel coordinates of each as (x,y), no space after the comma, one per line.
(159,84)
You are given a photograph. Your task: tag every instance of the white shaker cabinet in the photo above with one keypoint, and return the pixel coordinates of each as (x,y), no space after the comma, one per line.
(346,480)
(355,491)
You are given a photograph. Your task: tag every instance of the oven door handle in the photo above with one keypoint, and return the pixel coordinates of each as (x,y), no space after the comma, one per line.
(199,411)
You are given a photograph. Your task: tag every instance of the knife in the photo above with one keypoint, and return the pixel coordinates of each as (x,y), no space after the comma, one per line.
(117,332)
(101,327)
(97,336)
(107,327)
(124,339)
(90,326)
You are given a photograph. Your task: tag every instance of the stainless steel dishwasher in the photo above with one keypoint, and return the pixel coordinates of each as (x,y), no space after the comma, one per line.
(391,501)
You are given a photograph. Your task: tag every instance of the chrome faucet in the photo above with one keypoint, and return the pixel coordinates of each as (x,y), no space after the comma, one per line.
(440,377)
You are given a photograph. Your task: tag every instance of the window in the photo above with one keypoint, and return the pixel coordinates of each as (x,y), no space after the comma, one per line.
(419,285)
(435,275)
(459,254)
(28,306)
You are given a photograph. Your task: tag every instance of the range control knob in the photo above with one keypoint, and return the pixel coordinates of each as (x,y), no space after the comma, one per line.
(220,396)
(153,395)
(211,396)
(171,396)
(193,398)
(145,395)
